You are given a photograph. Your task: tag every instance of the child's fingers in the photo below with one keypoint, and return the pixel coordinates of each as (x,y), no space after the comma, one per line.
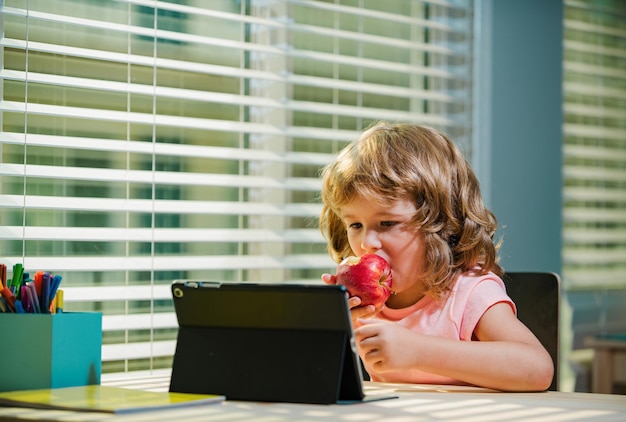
(354,301)
(329,278)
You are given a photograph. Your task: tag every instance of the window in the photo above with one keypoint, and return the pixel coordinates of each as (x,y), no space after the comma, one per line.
(594,145)
(146,141)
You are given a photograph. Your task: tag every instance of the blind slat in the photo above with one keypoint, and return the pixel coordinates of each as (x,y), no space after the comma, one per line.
(203,151)
(139,321)
(593,215)
(583,88)
(174,263)
(596,49)
(595,256)
(161,177)
(589,235)
(113,27)
(595,194)
(160,206)
(594,132)
(112,352)
(594,70)
(230,99)
(147,61)
(102,234)
(597,110)
(402,68)
(600,274)
(595,152)
(118,293)
(595,173)
(380,14)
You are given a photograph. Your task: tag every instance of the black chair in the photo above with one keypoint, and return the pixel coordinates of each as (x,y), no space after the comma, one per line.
(537,296)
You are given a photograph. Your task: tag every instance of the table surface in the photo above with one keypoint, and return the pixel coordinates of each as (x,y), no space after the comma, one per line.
(415,402)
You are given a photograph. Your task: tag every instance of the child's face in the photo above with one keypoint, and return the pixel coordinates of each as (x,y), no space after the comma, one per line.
(386,231)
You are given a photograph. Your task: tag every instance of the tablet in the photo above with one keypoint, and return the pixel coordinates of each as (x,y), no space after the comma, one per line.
(265,342)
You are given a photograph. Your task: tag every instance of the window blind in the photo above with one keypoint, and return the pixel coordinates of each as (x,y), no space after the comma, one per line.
(594,248)
(144,141)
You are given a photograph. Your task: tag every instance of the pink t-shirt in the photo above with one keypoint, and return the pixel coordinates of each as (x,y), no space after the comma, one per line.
(454,317)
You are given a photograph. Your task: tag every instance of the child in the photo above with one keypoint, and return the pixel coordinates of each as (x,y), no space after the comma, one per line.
(406,193)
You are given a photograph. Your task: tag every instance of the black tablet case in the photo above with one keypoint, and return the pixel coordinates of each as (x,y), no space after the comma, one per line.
(265,342)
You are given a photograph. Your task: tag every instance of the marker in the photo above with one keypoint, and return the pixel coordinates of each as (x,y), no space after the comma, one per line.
(16,281)
(32,296)
(25,278)
(54,286)
(44,299)
(25,298)
(38,281)
(9,299)
(3,276)
(60,301)
(18,307)
(53,306)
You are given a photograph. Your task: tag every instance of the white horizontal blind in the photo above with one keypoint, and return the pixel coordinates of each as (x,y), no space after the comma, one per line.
(144,141)
(595,144)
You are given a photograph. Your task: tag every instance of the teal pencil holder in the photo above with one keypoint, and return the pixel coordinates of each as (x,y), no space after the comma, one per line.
(50,350)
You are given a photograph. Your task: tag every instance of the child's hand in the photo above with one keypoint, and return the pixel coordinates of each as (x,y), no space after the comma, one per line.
(385,346)
(329,279)
(358,312)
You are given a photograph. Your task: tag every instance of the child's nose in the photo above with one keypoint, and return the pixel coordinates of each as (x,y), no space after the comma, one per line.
(371,241)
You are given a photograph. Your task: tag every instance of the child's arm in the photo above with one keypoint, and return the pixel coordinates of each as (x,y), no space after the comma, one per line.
(507,357)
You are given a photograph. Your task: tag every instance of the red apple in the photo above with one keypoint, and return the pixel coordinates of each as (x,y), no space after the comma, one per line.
(368,277)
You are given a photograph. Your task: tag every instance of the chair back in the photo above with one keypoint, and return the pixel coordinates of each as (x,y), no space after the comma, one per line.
(537,296)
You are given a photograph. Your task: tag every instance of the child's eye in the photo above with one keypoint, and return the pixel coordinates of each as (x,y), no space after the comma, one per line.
(355,226)
(388,223)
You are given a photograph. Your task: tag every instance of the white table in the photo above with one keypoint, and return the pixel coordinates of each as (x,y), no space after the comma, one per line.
(414,403)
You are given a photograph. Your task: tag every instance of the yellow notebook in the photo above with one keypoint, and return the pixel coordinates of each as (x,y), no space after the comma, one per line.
(97,398)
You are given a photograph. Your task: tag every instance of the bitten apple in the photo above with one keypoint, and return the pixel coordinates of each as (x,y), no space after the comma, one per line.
(368,277)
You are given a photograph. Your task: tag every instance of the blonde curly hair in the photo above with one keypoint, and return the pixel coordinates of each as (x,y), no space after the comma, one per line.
(400,161)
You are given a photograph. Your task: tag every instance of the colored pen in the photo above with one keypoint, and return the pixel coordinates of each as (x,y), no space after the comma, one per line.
(16,281)
(54,286)
(3,276)
(18,307)
(9,299)
(53,306)
(38,281)
(60,301)
(25,298)
(32,296)
(44,299)
(24,279)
